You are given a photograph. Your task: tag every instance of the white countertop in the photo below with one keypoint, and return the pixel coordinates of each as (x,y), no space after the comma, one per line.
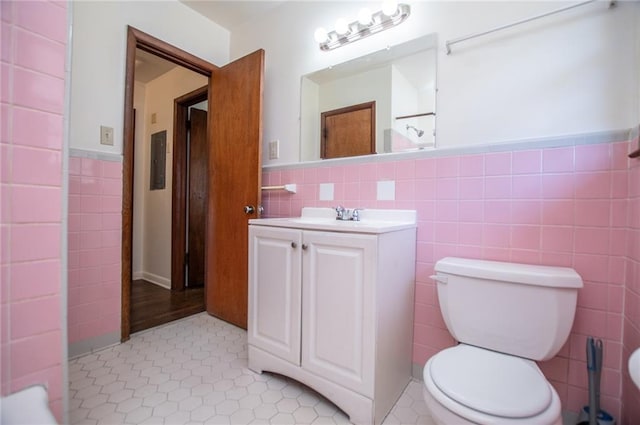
(371,221)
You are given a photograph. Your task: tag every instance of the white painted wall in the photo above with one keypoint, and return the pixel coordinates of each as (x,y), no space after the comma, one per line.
(565,74)
(140,170)
(154,226)
(98,58)
(309,121)
(404,101)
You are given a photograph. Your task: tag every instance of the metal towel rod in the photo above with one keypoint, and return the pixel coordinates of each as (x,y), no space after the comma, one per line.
(425,114)
(291,188)
(449,43)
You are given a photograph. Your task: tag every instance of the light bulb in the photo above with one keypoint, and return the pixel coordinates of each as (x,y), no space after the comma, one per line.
(321,35)
(389,7)
(342,27)
(364,16)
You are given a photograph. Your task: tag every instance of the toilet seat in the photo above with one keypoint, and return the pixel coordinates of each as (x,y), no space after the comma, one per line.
(501,385)
(518,394)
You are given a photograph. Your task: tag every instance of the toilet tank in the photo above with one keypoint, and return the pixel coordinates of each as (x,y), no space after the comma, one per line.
(519,309)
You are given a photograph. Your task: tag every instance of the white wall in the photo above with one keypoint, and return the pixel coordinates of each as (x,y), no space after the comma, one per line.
(140,170)
(404,101)
(98,58)
(565,74)
(310,116)
(154,226)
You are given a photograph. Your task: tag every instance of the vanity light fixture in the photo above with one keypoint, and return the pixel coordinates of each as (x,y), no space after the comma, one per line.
(367,24)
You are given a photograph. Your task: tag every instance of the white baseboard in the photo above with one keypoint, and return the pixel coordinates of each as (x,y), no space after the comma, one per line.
(137,275)
(158,280)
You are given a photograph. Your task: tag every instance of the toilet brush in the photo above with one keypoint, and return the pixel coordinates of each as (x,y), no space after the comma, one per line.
(591,414)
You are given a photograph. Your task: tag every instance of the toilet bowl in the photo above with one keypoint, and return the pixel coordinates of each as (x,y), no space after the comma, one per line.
(505,317)
(476,386)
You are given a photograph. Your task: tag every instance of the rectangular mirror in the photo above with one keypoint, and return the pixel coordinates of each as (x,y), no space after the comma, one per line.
(398,85)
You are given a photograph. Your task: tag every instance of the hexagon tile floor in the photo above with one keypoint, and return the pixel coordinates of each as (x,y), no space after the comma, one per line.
(194,371)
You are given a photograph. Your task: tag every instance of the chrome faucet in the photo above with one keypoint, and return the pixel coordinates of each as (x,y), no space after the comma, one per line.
(346,214)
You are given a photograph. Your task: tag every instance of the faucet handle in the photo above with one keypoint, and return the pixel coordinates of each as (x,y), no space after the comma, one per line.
(340,212)
(355,214)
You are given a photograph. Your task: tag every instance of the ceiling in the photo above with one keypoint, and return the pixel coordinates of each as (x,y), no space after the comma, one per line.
(230,14)
(149,67)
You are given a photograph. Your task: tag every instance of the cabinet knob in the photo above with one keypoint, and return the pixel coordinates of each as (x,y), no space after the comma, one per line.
(294,245)
(304,246)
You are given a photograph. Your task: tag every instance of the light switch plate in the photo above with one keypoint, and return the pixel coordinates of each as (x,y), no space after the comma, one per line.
(274,149)
(106,135)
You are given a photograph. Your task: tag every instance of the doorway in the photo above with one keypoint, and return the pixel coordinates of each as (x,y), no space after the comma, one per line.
(168,127)
(234,142)
(190,190)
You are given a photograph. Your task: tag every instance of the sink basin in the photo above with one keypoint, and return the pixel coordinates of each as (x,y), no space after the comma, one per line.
(371,221)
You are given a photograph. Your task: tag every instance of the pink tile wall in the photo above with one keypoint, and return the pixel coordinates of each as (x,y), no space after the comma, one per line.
(631,337)
(95,205)
(558,206)
(33,37)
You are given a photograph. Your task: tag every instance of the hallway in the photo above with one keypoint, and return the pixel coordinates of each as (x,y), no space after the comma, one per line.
(152,305)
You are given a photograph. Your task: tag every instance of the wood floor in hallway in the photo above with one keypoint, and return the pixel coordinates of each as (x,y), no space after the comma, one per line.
(153,305)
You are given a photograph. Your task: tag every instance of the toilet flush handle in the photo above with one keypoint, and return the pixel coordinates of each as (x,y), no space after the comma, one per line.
(439,279)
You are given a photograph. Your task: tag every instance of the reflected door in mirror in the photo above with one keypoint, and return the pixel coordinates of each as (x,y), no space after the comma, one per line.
(349,131)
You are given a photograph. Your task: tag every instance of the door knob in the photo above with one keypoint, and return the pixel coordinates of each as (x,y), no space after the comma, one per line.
(249,209)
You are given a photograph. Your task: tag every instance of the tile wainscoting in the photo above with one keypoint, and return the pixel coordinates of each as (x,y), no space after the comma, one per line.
(94,258)
(32,198)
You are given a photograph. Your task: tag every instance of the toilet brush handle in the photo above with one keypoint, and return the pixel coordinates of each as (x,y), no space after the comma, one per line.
(598,373)
(591,373)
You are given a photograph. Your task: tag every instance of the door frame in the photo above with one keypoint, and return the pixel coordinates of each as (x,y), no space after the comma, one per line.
(138,39)
(179,195)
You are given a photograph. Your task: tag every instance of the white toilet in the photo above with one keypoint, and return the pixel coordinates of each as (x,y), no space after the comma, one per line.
(504,316)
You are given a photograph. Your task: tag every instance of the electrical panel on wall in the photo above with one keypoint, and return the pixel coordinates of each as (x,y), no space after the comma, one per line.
(158,160)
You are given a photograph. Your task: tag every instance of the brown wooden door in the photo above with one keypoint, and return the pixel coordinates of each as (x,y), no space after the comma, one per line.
(349,131)
(235,126)
(198,182)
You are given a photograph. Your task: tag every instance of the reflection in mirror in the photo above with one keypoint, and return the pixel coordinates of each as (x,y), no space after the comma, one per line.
(400,81)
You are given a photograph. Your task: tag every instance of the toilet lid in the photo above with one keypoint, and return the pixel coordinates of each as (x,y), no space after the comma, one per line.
(493,383)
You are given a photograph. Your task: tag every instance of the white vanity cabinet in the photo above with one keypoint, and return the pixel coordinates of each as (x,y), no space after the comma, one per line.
(331,305)
(274,291)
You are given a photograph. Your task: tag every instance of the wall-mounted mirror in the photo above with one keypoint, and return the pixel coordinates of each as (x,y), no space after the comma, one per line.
(386,101)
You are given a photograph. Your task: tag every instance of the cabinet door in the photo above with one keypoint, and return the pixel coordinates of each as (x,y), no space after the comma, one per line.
(338,308)
(274,291)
